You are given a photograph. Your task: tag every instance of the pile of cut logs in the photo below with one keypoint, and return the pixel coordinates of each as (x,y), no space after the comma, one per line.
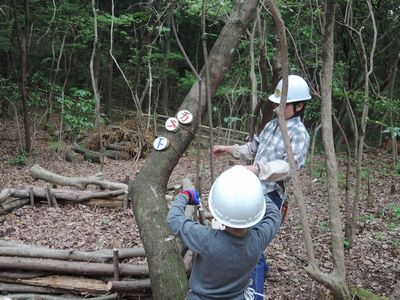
(35,272)
(32,271)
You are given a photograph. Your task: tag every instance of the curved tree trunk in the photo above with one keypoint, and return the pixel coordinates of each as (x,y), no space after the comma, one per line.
(167,271)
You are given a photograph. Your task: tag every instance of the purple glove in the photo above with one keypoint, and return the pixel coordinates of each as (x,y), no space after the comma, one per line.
(192,195)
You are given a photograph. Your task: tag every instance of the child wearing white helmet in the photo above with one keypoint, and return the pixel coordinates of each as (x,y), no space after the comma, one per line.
(225,259)
(267,151)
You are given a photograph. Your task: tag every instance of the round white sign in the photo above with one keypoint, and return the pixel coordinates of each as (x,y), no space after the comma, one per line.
(160,143)
(172,124)
(184,116)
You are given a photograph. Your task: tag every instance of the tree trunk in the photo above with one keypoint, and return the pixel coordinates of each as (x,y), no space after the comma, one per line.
(338,283)
(108,86)
(167,274)
(22,36)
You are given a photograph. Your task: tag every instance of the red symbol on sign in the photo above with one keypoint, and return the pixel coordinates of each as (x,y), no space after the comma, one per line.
(185,116)
(172,124)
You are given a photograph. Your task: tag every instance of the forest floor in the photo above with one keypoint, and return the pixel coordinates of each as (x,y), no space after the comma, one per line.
(372,263)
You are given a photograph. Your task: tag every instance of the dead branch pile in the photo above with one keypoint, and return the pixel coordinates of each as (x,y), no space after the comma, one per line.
(125,141)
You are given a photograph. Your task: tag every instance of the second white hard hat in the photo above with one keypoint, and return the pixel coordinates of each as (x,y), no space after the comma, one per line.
(297,90)
(236,198)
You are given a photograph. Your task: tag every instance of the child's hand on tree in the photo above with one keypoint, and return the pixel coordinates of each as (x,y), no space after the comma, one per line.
(192,196)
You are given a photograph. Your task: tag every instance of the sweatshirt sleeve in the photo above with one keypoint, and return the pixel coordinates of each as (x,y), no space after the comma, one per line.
(269,225)
(247,151)
(193,234)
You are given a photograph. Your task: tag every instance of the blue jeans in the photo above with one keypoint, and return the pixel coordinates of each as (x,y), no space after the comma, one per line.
(261,270)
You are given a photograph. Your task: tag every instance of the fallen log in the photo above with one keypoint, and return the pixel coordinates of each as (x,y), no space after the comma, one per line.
(72,156)
(115,154)
(121,147)
(68,283)
(38,172)
(100,256)
(4,275)
(113,203)
(89,155)
(53,297)
(4,195)
(67,195)
(25,288)
(10,206)
(71,267)
(127,287)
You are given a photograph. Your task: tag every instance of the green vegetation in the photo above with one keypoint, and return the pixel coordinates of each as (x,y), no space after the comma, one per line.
(19,160)
(363,294)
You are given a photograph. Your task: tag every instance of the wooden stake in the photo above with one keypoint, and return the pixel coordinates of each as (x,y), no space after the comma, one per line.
(116,264)
(126,198)
(51,197)
(116,268)
(48,195)
(31,196)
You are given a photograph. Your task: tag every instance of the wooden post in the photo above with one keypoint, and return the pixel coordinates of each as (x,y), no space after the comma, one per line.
(51,198)
(116,269)
(48,195)
(31,196)
(126,199)
(116,264)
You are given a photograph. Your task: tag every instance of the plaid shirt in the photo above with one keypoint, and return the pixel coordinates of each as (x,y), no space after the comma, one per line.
(269,146)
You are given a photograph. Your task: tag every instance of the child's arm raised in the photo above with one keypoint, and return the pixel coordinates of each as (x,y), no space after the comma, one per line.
(192,233)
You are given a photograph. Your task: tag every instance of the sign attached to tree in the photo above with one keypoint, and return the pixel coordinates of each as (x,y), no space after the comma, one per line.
(160,143)
(172,124)
(184,116)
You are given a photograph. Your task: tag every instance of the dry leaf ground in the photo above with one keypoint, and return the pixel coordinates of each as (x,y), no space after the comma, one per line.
(373,262)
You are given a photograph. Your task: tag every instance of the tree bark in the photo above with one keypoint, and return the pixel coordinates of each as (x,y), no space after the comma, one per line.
(167,274)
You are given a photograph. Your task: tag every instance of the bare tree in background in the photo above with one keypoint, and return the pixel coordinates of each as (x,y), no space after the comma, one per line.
(335,281)
(23,47)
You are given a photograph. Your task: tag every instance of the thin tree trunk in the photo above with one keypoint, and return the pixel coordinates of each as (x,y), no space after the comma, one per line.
(368,68)
(334,281)
(22,36)
(337,284)
(95,81)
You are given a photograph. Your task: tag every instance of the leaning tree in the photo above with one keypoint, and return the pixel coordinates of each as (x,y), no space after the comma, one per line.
(147,191)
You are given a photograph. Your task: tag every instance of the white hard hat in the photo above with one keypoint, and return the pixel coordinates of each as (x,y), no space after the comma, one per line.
(236,198)
(297,90)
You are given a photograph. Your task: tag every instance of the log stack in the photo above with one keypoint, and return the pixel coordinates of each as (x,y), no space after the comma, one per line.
(34,272)
(58,274)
